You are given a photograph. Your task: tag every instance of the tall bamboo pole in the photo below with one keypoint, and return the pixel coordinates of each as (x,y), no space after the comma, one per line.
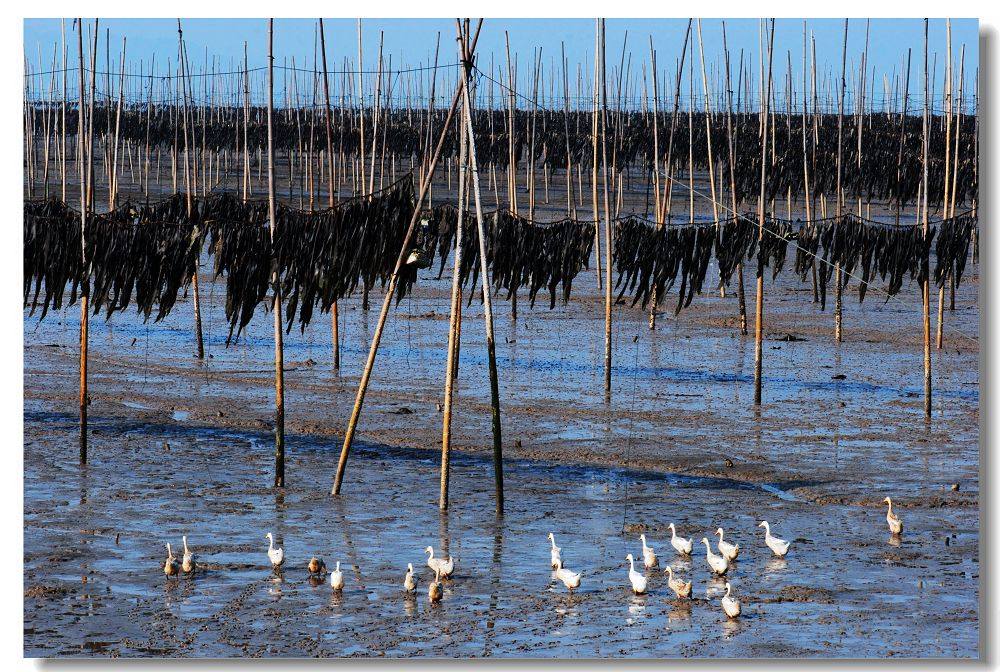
(656,167)
(838,304)
(334,316)
(740,290)
(947,171)
(467,61)
(593,152)
(391,288)
(926,261)
(196,299)
(279,350)
(84,294)
(759,311)
(607,217)
(453,327)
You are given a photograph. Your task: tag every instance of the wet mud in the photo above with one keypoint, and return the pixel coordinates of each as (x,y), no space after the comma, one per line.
(180,446)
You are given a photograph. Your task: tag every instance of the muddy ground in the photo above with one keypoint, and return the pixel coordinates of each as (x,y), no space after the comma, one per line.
(182,446)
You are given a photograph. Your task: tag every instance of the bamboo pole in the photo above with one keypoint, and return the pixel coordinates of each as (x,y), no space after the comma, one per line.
(708,127)
(926,262)
(759,308)
(391,288)
(279,354)
(90,118)
(467,54)
(84,294)
(65,98)
(593,152)
(740,290)
(191,188)
(570,204)
(947,172)
(453,328)
(656,168)
(607,218)
(838,305)
(334,313)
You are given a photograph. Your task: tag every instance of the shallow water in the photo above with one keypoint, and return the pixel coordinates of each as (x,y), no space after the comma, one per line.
(815,461)
(502,601)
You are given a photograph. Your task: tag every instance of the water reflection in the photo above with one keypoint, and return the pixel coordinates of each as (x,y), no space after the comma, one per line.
(894,540)
(681,611)
(730,627)
(637,605)
(775,565)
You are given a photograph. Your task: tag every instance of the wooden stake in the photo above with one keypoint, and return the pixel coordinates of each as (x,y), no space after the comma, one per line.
(279,354)
(607,220)
(926,261)
(334,317)
(759,312)
(484,272)
(453,328)
(84,189)
(740,290)
(191,188)
(838,305)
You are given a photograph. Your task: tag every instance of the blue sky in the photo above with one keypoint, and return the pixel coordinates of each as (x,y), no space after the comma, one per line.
(411,42)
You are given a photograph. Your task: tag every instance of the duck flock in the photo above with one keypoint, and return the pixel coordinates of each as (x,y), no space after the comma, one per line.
(719,563)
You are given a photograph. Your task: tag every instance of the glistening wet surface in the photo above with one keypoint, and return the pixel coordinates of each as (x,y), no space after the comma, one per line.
(180,446)
(94,548)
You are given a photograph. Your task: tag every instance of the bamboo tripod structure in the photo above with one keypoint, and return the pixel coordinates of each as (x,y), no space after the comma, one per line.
(468,52)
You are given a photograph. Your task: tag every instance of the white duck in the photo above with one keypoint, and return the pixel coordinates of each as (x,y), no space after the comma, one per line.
(728,551)
(569,578)
(337,578)
(648,555)
(718,564)
(730,605)
(778,546)
(895,522)
(680,544)
(446,567)
(555,553)
(637,580)
(275,555)
(188,562)
(435,591)
(680,588)
(410,582)
(170,567)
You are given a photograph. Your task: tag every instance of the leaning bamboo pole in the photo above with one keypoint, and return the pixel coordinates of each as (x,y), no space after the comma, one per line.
(334,313)
(279,354)
(467,62)
(391,287)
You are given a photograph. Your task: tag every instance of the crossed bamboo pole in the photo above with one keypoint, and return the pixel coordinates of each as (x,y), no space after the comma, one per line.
(468,50)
